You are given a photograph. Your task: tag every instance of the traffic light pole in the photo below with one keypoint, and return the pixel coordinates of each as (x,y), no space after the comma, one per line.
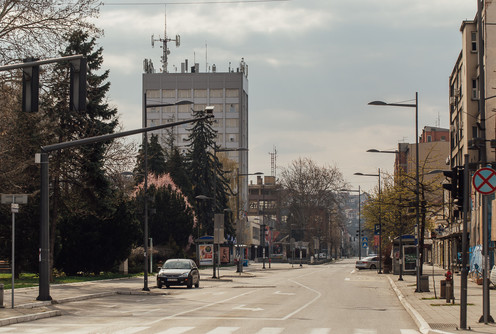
(463,284)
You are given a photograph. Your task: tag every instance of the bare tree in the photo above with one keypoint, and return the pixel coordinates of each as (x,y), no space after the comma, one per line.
(311,193)
(37,28)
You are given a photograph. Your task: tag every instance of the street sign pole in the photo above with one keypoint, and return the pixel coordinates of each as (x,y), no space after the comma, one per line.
(484,182)
(14,200)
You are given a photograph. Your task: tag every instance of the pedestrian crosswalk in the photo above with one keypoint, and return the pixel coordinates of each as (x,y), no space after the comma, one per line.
(189,329)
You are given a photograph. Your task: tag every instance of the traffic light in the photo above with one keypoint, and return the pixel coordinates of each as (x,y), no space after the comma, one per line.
(456,188)
(30,86)
(78,70)
(458,199)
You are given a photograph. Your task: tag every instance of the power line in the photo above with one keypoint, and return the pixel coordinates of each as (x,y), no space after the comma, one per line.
(188,3)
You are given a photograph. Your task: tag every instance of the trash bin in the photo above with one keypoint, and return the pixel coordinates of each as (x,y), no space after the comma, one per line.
(443,289)
(245,263)
(424,283)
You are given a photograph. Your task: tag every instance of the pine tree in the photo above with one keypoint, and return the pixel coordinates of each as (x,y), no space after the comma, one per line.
(205,171)
(156,160)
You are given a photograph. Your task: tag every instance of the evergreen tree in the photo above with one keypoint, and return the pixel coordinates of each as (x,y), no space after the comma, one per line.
(206,175)
(156,160)
(82,193)
(176,167)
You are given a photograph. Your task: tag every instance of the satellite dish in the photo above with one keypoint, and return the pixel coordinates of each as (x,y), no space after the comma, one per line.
(153,42)
(178,41)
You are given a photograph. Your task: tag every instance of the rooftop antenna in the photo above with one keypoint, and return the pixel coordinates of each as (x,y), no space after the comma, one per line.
(273,162)
(165,49)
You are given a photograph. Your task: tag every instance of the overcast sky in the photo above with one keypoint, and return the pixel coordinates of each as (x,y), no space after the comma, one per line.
(313,67)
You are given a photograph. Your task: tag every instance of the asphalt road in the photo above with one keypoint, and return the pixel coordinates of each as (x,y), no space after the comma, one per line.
(331,298)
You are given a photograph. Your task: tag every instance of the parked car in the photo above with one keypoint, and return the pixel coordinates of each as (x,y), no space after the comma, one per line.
(179,272)
(369,262)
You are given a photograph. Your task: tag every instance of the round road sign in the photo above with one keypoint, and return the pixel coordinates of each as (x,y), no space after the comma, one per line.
(484,180)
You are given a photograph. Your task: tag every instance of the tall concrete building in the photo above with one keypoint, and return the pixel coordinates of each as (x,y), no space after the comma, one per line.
(472,124)
(227,92)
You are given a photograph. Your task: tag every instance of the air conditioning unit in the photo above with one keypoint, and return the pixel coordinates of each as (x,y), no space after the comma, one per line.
(457,92)
(452,100)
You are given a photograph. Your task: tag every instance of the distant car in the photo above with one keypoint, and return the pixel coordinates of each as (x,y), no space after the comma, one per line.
(179,272)
(370,262)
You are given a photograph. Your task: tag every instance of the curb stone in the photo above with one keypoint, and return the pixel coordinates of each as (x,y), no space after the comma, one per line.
(422,325)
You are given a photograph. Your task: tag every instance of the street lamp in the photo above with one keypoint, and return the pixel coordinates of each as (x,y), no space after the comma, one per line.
(380,221)
(359,224)
(145,171)
(240,264)
(417,186)
(400,260)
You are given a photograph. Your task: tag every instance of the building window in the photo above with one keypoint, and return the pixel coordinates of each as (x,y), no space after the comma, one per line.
(200,93)
(232,92)
(474,89)
(183,93)
(152,93)
(232,123)
(216,93)
(233,107)
(473,38)
(168,93)
(429,139)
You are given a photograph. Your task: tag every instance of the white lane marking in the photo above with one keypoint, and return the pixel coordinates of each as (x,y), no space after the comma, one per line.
(201,307)
(365,331)
(131,330)
(271,330)
(285,293)
(307,304)
(223,330)
(347,279)
(408,331)
(241,307)
(320,331)
(176,330)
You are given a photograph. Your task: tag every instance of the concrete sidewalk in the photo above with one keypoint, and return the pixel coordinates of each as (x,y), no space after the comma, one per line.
(432,314)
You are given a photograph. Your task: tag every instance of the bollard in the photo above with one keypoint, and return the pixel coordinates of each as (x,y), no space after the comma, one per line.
(1,296)
(448,291)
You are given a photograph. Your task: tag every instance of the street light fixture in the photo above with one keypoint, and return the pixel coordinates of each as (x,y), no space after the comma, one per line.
(380,214)
(241,251)
(400,260)
(359,216)
(417,185)
(145,171)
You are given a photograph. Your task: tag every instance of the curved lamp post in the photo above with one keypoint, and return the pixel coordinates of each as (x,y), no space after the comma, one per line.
(145,171)
(380,214)
(417,187)
(400,278)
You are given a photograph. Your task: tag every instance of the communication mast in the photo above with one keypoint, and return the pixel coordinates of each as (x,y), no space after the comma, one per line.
(273,162)
(165,49)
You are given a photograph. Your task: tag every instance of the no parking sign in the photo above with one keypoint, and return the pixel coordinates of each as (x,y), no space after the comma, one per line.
(484,180)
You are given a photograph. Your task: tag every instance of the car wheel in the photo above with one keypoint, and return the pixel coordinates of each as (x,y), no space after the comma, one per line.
(159,284)
(167,286)
(197,285)
(372,266)
(190,284)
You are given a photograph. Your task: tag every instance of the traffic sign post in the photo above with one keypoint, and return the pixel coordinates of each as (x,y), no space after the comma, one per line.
(14,200)
(484,182)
